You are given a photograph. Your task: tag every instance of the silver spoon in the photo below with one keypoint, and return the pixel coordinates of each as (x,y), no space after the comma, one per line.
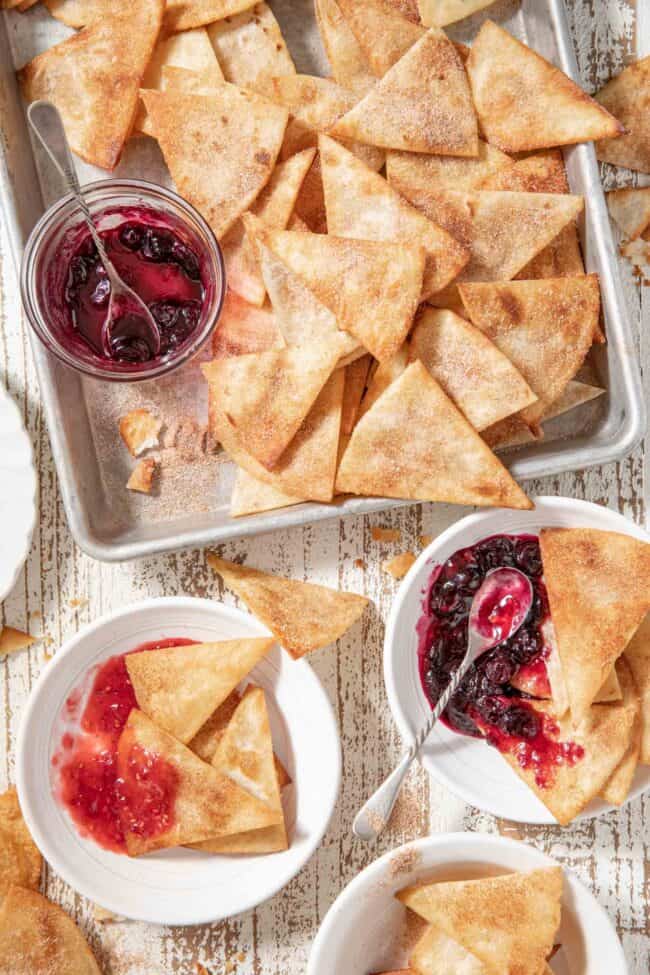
(127,317)
(483,634)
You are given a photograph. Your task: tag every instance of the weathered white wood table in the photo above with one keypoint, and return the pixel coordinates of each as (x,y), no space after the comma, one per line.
(62,589)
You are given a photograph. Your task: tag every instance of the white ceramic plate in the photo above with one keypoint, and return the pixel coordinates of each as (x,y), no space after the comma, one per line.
(182,886)
(364,930)
(469,767)
(17,493)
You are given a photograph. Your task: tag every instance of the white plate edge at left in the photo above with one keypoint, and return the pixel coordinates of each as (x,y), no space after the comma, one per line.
(16,430)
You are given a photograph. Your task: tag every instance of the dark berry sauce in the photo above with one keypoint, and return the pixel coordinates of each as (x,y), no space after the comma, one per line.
(99,802)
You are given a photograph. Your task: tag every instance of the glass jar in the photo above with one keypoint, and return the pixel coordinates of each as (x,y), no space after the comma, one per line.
(55,240)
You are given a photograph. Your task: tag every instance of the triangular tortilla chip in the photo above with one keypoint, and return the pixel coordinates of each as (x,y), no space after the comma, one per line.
(356,376)
(302,616)
(524,102)
(307,468)
(562,258)
(514,432)
(373,288)
(637,656)
(547,682)
(273,207)
(185,14)
(599,592)
(180,687)
(94,78)
(628,98)
(349,64)
(250,47)
(502,231)
(81,13)
(630,208)
(12,640)
(382,31)
(210,81)
(263,398)
(439,13)
(472,370)
(251,496)
(220,149)
(463,173)
(423,104)
(617,788)
(508,922)
(437,954)
(244,328)
(195,801)
(361,204)
(381,378)
(441,459)
(37,937)
(20,859)
(545,327)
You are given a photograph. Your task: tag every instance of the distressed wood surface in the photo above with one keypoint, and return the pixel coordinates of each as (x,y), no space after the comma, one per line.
(610,854)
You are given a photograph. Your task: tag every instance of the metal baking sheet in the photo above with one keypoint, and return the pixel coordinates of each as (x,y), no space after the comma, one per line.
(192,506)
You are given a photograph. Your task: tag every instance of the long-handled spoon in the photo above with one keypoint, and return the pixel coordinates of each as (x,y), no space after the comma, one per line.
(129,332)
(499,608)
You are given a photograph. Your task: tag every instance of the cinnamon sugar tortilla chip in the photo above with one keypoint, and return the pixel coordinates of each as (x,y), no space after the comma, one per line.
(637,656)
(628,98)
(545,327)
(349,64)
(302,616)
(180,687)
(381,378)
(559,259)
(185,14)
(356,376)
(599,594)
(220,149)
(310,205)
(435,952)
(449,172)
(513,432)
(243,328)
(472,370)
(140,430)
(630,208)
(422,104)
(508,922)
(80,13)
(441,459)
(361,204)
(617,788)
(524,102)
(38,937)
(439,13)
(372,287)
(399,565)
(12,640)
(142,476)
(250,496)
(204,803)
(20,859)
(250,47)
(94,78)
(384,34)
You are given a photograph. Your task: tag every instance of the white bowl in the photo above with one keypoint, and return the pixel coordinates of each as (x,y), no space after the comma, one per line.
(470,767)
(364,930)
(182,886)
(17,493)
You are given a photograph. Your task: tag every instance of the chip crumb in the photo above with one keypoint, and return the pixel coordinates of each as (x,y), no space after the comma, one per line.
(12,640)
(47,657)
(78,602)
(426,540)
(140,430)
(103,916)
(359,564)
(201,969)
(385,534)
(398,566)
(142,476)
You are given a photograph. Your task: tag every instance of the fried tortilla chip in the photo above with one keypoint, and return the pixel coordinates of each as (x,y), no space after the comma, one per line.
(524,102)
(464,173)
(251,496)
(80,13)
(12,640)
(94,78)
(37,937)
(302,616)
(361,204)
(349,64)
(617,788)
(142,476)
(630,208)
(356,376)
(196,802)
(385,373)
(439,13)
(628,98)
(273,207)
(140,429)
(637,656)
(508,922)
(220,149)
(373,288)
(250,47)
(513,432)
(437,954)
(442,459)
(599,593)
(384,34)
(185,14)
(205,741)
(423,104)
(243,329)
(20,859)
(544,327)
(472,370)
(180,687)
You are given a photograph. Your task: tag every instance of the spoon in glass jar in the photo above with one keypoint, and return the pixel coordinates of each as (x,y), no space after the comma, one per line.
(499,608)
(129,332)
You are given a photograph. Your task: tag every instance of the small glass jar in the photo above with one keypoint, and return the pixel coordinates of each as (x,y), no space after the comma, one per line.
(53,243)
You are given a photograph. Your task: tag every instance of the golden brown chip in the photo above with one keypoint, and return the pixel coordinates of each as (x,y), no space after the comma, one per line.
(12,640)
(435,952)
(628,98)
(94,78)
(513,432)
(381,378)
(630,208)
(462,173)
(139,430)
(349,64)
(508,922)
(422,104)
(384,34)
(185,14)
(356,376)
(524,102)
(180,687)
(20,859)
(441,459)
(399,565)
(243,329)
(142,476)
(637,656)
(220,149)
(250,496)
(80,13)
(302,616)
(439,13)
(250,47)
(38,938)
(617,788)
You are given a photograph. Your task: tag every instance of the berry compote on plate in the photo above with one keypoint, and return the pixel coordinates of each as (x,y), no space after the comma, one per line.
(494,698)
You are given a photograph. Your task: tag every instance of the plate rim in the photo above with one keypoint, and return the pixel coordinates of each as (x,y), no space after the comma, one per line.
(7,400)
